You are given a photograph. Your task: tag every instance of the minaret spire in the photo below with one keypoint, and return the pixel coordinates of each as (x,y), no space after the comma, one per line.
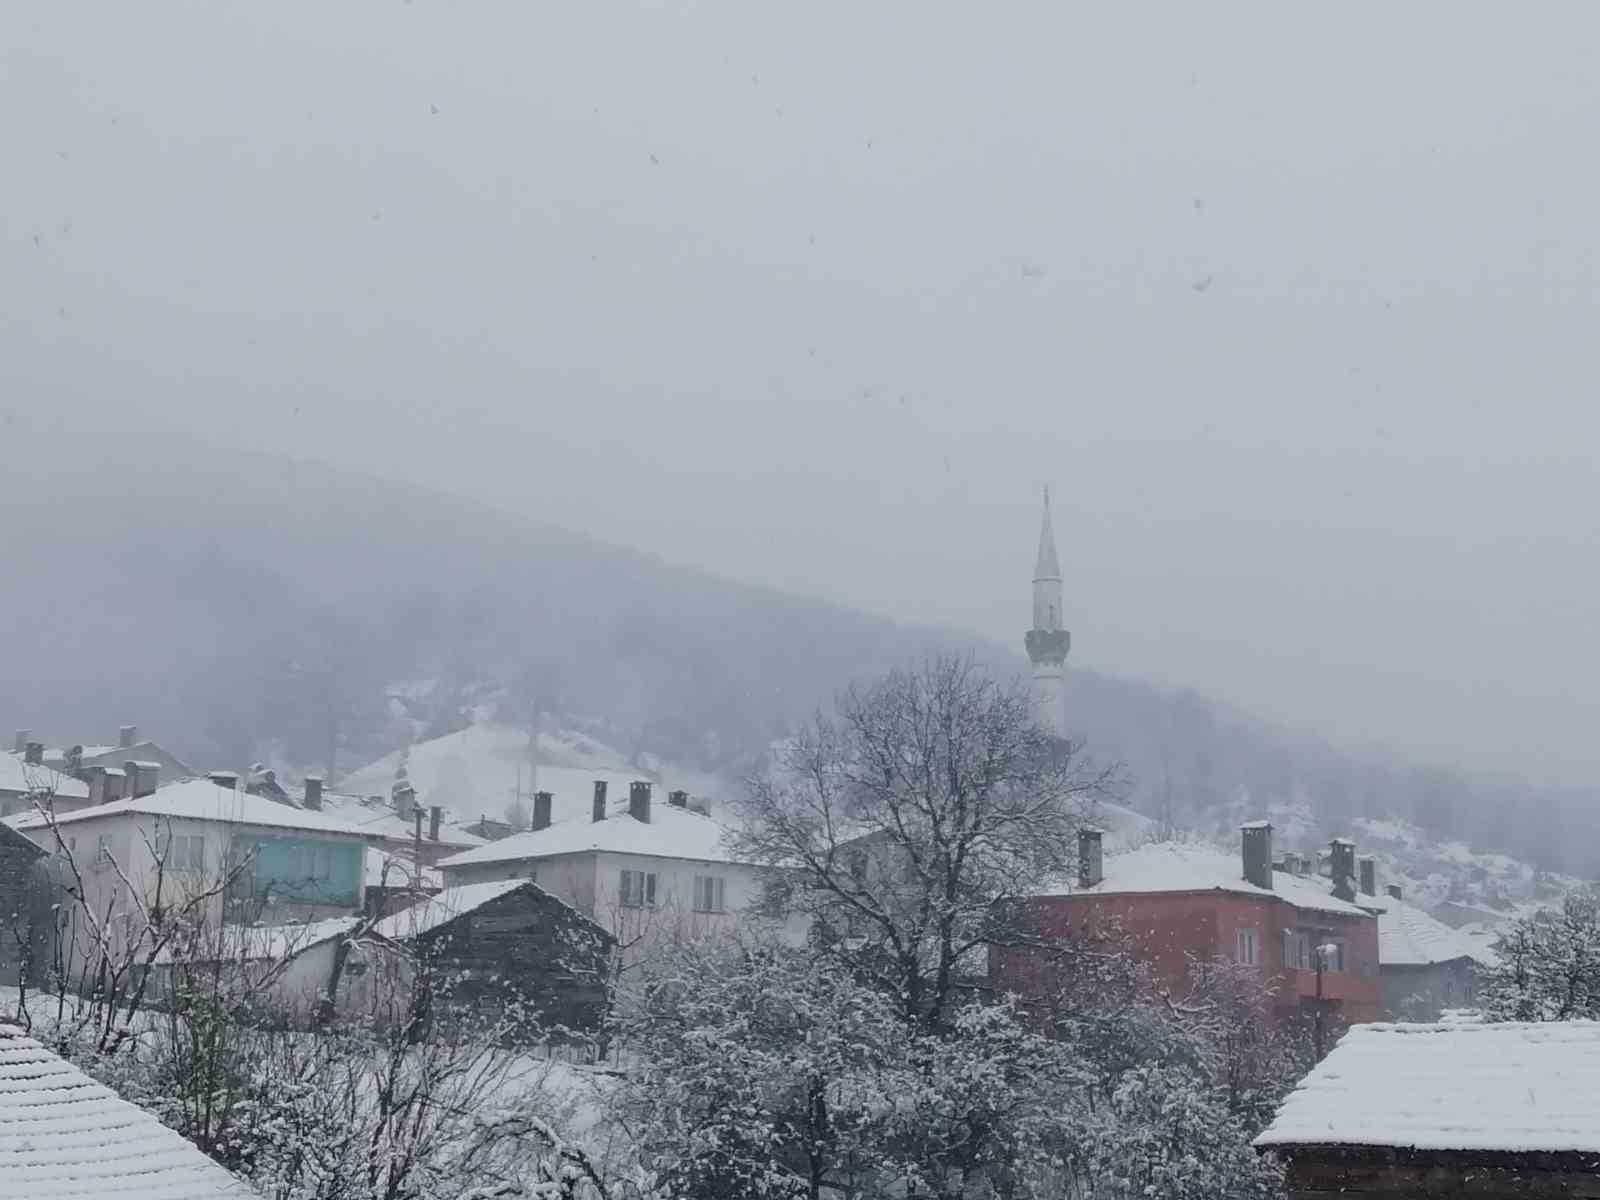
(1048,566)
(1048,641)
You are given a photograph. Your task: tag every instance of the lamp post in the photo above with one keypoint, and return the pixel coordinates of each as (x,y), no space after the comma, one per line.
(1324,952)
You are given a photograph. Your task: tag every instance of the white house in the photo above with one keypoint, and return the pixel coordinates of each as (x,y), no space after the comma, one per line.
(181,840)
(24,778)
(638,868)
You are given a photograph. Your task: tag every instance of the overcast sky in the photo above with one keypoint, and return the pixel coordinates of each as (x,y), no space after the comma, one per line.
(1293,307)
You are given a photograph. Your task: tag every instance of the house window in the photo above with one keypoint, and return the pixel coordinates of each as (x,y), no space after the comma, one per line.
(708,894)
(315,863)
(189,854)
(1300,951)
(638,889)
(102,850)
(1297,950)
(1247,947)
(1335,956)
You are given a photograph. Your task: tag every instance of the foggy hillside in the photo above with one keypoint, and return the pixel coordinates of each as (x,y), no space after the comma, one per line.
(244,606)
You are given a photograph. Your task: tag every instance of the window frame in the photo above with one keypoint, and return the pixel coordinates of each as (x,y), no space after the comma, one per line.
(644,896)
(710,894)
(1247,946)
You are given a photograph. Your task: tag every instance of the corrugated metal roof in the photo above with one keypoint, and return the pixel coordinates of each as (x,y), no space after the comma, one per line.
(65,1137)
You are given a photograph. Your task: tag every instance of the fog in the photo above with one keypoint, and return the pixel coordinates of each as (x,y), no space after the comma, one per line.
(1292,309)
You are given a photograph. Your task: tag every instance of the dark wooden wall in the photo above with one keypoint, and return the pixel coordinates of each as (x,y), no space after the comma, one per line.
(1438,1174)
(25,926)
(525,947)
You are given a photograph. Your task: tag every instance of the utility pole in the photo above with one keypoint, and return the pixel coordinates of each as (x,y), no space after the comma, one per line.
(416,858)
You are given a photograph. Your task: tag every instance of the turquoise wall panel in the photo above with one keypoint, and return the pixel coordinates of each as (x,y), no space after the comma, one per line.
(302,870)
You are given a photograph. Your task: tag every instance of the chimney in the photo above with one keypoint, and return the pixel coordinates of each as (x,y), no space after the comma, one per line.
(97,785)
(541,810)
(33,754)
(404,800)
(313,799)
(639,801)
(678,799)
(127,736)
(20,746)
(1369,876)
(1255,846)
(1394,891)
(225,779)
(142,778)
(434,815)
(1091,863)
(599,800)
(1342,861)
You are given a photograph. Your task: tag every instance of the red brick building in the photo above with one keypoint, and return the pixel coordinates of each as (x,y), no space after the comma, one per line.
(1179,902)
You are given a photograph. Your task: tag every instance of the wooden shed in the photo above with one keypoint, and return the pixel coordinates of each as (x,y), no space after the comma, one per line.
(508,950)
(1505,1110)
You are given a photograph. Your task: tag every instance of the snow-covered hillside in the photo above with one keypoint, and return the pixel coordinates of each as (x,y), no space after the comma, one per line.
(482,770)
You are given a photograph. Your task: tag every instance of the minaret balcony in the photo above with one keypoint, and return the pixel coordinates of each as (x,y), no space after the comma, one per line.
(1048,646)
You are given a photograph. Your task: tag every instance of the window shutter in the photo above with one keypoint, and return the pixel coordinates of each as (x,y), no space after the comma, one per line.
(650,889)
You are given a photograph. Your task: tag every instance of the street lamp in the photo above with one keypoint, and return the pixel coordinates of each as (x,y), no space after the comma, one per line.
(1325,954)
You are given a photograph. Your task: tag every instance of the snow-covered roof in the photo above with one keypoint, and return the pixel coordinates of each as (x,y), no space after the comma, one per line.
(1510,1087)
(379,818)
(199,800)
(147,753)
(1191,867)
(671,832)
(257,943)
(446,906)
(17,775)
(1409,937)
(65,1137)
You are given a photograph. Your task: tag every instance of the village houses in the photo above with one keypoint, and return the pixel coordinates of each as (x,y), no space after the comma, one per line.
(175,843)
(640,868)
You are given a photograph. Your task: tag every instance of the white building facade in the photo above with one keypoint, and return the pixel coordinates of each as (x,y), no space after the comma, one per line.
(640,870)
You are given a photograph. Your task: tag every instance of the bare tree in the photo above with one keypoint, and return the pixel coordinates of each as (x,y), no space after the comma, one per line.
(910,823)
(111,939)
